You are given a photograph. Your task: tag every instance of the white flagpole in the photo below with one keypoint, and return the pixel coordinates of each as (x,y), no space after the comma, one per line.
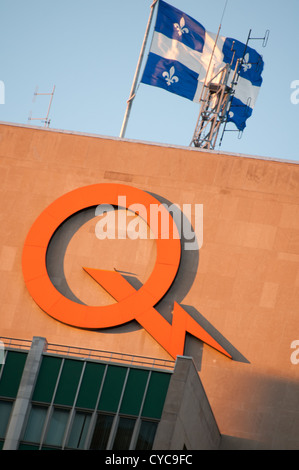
(134,84)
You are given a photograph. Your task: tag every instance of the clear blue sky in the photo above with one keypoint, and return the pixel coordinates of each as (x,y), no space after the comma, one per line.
(89,51)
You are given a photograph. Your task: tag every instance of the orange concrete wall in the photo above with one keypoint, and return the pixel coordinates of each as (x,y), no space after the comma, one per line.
(246,285)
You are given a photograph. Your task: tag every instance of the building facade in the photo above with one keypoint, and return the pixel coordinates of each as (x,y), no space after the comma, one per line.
(66,385)
(55,398)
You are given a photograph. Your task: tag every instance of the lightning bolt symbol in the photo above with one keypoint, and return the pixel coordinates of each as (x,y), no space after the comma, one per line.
(170,336)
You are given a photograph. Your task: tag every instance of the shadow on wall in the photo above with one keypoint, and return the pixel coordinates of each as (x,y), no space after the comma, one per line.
(269,417)
(182,284)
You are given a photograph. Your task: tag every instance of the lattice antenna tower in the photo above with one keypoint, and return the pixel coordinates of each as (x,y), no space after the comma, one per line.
(216,100)
(46,120)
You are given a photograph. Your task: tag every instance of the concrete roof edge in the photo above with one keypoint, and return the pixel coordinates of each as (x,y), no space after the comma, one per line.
(157,144)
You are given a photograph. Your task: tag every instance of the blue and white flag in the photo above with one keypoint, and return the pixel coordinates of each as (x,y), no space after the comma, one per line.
(179,61)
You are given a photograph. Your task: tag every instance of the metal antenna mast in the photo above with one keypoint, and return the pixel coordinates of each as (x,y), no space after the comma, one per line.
(46,119)
(264,44)
(216,100)
(214,105)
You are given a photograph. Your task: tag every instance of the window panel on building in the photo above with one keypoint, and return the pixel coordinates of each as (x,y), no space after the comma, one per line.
(146,435)
(35,424)
(156,394)
(79,430)
(112,388)
(47,379)
(5,410)
(12,373)
(134,392)
(57,427)
(68,383)
(124,433)
(90,386)
(102,432)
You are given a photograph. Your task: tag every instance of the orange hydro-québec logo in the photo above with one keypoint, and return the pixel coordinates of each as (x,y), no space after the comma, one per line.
(131,304)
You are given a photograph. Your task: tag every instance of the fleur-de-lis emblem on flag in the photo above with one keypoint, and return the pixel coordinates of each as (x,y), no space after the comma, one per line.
(181,28)
(246,66)
(170,76)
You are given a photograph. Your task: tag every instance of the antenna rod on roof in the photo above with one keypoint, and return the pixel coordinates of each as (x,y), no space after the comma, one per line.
(205,86)
(46,120)
(213,52)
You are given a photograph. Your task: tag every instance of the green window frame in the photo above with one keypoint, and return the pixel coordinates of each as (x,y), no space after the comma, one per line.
(68,382)
(112,388)
(12,373)
(156,394)
(90,386)
(47,379)
(5,411)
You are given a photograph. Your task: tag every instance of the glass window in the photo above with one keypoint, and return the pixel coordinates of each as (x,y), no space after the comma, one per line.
(5,410)
(146,435)
(12,373)
(90,385)
(46,380)
(156,395)
(35,424)
(57,427)
(79,430)
(134,392)
(124,433)
(102,431)
(112,388)
(68,382)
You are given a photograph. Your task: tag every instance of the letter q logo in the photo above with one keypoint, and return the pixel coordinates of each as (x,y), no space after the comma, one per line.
(131,303)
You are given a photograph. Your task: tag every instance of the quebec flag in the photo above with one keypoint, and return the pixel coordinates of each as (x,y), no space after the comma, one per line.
(179,61)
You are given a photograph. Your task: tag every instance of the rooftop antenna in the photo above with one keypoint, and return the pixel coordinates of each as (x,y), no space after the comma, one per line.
(211,106)
(216,98)
(214,106)
(264,44)
(46,119)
